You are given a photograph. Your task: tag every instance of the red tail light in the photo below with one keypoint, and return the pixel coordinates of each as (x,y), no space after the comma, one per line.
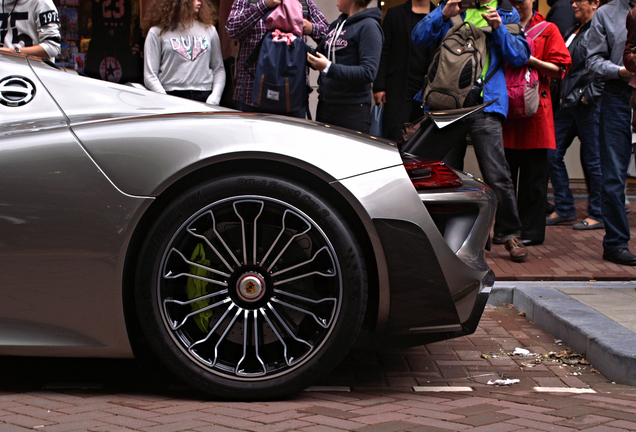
(430,174)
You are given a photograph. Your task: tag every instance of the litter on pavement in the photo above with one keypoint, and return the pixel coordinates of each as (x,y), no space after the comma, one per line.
(503,382)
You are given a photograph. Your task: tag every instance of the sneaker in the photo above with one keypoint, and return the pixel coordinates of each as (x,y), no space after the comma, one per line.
(620,256)
(518,251)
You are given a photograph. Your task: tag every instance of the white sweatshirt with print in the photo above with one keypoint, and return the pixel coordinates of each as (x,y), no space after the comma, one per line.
(188,58)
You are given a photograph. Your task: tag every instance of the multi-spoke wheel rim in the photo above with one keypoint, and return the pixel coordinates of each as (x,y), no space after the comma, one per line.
(249,288)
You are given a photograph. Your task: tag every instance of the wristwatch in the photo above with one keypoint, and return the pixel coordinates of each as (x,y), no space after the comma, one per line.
(16,50)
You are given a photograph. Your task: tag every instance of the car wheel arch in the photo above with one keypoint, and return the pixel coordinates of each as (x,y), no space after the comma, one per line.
(261,166)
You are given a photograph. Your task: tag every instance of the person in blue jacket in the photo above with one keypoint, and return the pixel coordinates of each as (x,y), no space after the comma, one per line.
(486,130)
(348,59)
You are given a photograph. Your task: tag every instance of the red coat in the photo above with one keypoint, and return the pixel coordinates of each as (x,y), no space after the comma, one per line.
(538,131)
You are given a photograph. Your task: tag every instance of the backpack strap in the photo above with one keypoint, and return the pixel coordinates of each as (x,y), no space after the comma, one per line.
(456,21)
(536,30)
(253,57)
(494,71)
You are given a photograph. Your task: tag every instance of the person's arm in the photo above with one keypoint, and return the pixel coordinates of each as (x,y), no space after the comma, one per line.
(591,93)
(318,22)
(47,22)
(35,50)
(432,29)
(555,60)
(514,47)
(152,61)
(598,61)
(370,49)
(218,71)
(244,17)
(546,68)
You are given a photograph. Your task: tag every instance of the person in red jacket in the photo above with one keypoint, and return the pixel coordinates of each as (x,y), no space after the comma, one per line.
(527,140)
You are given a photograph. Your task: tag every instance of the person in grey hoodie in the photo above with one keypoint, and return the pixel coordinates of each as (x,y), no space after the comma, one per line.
(348,59)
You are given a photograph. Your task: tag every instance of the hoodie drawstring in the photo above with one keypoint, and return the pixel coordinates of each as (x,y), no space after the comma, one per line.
(331,53)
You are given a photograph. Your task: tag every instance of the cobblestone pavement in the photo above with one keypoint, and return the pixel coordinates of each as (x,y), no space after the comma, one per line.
(111,395)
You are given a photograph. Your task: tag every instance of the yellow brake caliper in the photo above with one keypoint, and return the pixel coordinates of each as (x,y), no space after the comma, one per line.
(197,288)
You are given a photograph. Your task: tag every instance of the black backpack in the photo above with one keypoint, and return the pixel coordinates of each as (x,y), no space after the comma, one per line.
(280,85)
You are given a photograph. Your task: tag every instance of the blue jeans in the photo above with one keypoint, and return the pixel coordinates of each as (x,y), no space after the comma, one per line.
(582,121)
(615,144)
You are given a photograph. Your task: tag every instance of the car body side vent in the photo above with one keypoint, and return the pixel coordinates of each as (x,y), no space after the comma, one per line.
(16,91)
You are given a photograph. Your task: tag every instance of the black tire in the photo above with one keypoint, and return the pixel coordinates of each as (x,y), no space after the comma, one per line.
(247,319)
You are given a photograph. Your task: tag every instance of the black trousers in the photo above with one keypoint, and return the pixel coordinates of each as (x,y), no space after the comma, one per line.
(529,171)
(197,95)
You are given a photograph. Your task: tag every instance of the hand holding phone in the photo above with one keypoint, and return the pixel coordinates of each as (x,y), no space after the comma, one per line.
(311,50)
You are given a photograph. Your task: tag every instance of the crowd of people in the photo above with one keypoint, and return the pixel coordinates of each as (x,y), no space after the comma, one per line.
(586,60)
(584,55)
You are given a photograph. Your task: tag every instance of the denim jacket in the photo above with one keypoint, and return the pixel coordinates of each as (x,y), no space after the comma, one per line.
(503,46)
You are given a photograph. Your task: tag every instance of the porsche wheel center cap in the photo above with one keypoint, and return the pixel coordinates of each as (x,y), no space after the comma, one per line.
(251,287)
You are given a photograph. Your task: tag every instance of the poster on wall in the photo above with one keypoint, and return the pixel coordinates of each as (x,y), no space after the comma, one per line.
(69,24)
(109,55)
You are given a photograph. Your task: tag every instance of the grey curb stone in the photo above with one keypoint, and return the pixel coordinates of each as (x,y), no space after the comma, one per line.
(609,346)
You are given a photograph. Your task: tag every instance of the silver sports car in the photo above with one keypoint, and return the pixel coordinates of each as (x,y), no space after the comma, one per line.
(246,252)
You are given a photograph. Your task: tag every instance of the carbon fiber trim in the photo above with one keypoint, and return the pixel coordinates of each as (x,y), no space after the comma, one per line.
(420,296)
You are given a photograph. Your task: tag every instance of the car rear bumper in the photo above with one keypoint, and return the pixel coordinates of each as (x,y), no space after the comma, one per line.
(438,289)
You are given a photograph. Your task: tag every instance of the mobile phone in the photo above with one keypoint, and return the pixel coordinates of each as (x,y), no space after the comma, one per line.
(633,49)
(311,50)
(469,4)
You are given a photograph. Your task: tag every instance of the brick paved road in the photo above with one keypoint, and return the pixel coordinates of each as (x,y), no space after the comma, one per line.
(110,395)
(565,255)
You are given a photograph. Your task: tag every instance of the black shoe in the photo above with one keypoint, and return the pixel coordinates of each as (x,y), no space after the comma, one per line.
(558,220)
(528,242)
(549,208)
(620,256)
(585,225)
(498,240)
